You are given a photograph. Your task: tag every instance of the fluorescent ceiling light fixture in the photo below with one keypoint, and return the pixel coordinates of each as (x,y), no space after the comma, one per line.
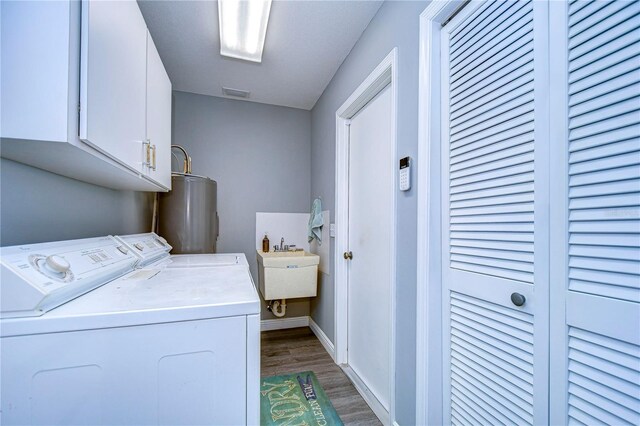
(243,26)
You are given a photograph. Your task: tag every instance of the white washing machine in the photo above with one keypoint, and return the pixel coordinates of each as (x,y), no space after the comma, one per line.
(131,341)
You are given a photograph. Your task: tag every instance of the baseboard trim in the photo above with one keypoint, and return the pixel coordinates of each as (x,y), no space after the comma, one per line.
(284,323)
(326,343)
(375,405)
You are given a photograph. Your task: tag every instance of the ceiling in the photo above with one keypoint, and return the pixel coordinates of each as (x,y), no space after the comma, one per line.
(305,44)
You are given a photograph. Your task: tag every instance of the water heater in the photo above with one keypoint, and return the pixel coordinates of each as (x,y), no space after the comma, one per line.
(187,215)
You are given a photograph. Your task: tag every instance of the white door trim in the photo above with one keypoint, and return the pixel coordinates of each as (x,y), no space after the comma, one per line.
(429,397)
(383,75)
(559,202)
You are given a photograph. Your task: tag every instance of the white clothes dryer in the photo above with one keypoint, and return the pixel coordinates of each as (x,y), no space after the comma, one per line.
(150,247)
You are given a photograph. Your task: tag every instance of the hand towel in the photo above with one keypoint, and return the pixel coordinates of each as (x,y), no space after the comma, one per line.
(316,221)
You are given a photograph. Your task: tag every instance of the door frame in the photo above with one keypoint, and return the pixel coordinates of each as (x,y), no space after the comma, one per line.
(429,374)
(385,74)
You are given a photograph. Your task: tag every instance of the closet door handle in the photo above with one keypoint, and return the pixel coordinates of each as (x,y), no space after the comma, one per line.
(518,299)
(348,255)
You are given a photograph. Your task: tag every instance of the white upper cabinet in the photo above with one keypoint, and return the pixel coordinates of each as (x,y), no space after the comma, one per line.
(79,96)
(36,36)
(158,117)
(113,76)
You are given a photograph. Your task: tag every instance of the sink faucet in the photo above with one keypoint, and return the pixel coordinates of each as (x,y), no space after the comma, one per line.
(282,244)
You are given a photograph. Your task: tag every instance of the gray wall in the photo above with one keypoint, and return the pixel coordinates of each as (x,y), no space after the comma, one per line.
(260,157)
(395,25)
(38,206)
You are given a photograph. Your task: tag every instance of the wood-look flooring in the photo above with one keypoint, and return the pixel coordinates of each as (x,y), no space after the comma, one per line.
(298,349)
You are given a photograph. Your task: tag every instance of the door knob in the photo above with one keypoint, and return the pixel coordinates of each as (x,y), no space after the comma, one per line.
(348,255)
(518,299)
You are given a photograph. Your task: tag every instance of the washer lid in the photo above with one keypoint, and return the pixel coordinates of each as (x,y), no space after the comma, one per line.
(207,260)
(149,296)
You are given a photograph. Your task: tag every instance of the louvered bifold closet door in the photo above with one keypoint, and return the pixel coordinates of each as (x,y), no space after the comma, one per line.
(495,213)
(598,379)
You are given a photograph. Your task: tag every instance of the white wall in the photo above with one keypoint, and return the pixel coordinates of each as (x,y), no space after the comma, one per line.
(260,157)
(290,226)
(294,228)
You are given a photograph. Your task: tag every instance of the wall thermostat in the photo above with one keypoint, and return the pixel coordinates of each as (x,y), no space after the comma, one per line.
(405,174)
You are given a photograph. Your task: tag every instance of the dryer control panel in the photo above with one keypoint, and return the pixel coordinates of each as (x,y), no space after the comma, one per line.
(39,277)
(148,247)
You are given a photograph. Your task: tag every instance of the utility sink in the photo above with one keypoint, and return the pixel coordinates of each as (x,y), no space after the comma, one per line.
(287,274)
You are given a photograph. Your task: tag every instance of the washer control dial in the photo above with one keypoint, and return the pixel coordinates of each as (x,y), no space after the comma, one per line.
(123,249)
(52,266)
(58,263)
(139,246)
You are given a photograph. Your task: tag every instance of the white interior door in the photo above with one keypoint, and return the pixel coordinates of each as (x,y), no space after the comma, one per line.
(596,295)
(495,214)
(370,233)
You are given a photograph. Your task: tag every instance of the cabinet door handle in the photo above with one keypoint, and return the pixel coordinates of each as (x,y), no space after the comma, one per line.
(147,152)
(348,255)
(153,154)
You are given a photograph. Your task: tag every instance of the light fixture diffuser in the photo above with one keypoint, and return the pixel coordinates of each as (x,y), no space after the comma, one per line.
(243,26)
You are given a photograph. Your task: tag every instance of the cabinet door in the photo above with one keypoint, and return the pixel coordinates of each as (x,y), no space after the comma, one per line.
(158,117)
(113,80)
(36,52)
(495,214)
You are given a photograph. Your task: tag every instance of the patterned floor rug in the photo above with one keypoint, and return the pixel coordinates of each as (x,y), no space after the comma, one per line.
(295,400)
